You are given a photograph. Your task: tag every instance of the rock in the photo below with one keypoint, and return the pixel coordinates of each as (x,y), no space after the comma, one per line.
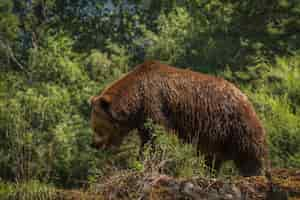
(236,192)
(213,195)
(188,188)
(145,186)
(228,197)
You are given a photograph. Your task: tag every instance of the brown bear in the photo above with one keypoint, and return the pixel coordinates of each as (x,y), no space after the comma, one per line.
(207,111)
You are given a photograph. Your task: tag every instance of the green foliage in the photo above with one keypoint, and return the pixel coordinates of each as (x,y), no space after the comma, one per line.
(99,66)
(8,22)
(40,133)
(274,90)
(103,67)
(170,156)
(54,55)
(44,126)
(185,40)
(282,126)
(9,28)
(173,29)
(55,61)
(212,35)
(32,190)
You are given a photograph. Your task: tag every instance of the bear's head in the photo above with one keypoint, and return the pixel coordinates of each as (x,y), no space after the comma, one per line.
(105,130)
(115,112)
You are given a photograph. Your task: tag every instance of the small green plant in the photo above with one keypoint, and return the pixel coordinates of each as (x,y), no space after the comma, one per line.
(32,190)
(171,156)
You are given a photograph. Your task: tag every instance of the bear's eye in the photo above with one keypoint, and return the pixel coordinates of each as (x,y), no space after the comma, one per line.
(104,104)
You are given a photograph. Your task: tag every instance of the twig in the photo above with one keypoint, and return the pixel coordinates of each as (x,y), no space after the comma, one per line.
(12,56)
(205,189)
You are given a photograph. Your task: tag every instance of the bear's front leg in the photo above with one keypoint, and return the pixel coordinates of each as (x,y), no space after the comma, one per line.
(213,163)
(147,136)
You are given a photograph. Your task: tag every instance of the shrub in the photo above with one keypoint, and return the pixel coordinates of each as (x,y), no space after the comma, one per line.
(274,89)
(44,136)
(282,127)
(168,45)
(32,190)
(55,61)
(170,156)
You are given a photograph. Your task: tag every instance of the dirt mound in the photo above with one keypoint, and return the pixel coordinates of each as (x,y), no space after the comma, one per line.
(284,184)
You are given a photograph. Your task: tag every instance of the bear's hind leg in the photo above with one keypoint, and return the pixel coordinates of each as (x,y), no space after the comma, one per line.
(249,166)
(146,137)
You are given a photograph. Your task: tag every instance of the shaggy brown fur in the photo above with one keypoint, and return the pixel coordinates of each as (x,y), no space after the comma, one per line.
(208,111)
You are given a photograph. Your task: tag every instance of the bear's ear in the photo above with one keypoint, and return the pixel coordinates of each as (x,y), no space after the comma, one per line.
(105,102)
(91,100)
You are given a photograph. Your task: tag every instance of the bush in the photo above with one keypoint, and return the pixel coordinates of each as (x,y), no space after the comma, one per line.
(282,127)
(170,156)
(32,190)
(44,135)
(26,129)
(169,44)
(274,90)
(54,61)
(45,132)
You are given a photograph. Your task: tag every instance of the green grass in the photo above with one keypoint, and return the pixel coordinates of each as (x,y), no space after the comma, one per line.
(31,190)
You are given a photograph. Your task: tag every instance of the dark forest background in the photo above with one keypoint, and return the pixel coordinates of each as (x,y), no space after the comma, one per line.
(55,54)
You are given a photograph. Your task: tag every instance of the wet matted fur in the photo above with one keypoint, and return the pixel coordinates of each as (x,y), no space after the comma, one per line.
(207,111)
